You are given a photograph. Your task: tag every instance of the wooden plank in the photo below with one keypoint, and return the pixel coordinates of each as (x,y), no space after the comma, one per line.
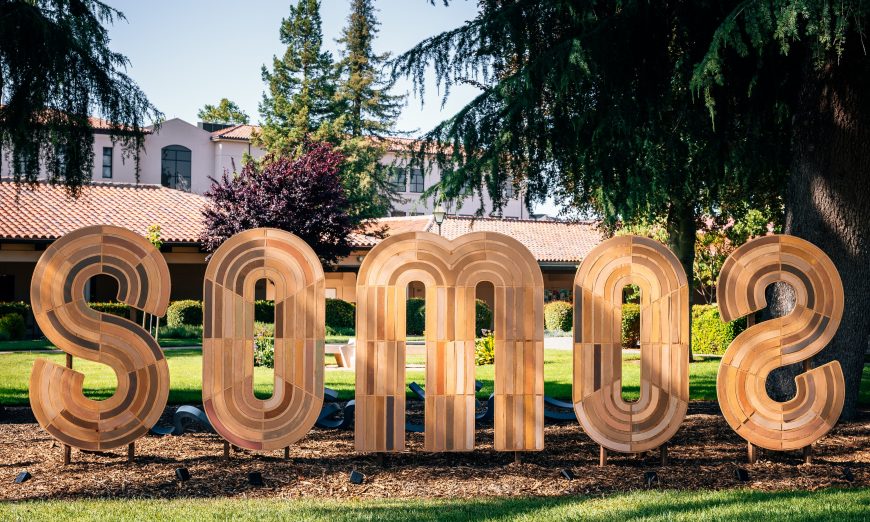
(763,347)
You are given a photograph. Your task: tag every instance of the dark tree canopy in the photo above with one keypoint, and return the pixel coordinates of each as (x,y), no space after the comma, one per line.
(56,71)
(303,196)
(638,111)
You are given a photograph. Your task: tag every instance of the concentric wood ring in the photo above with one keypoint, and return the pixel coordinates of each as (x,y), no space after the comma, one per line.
(796,337)
(228,339)
(664,343)
(59,307)
(450,271)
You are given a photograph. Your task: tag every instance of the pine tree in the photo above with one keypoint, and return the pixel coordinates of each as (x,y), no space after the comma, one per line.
(226,112)
(364,114)
(300,85)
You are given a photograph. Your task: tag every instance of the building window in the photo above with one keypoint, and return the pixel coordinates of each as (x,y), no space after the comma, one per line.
(510,192)
(107,162)
(175,167)
(417,184)
(398,179)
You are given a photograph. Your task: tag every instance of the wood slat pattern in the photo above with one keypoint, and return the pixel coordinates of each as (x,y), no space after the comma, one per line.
(228,339)
(59,307)
(652,420)
(796,337)
(450,271)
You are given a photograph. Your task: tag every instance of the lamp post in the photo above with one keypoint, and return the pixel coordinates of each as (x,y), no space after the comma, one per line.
(438,214)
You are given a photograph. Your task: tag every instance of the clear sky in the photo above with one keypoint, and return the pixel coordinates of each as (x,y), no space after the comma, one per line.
(186,53)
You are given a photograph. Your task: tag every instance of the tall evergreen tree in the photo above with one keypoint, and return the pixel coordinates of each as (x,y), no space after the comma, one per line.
(364,114)
(301,84)
(57,70)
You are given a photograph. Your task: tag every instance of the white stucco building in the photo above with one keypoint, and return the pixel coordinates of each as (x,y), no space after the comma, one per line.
(184,156)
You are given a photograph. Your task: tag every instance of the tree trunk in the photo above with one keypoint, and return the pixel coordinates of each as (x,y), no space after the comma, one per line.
(828,202)
(682,230)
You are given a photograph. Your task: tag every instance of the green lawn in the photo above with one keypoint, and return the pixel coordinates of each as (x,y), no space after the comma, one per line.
(692,506)
(45,344)
(185,367)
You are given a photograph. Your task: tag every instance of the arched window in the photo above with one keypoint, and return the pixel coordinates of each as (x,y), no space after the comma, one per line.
(175,167)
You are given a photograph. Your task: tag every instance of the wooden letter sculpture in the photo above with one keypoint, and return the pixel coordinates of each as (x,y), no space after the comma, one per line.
(450,272)
(59,307)
(228,339)
(615,424)
(796,337)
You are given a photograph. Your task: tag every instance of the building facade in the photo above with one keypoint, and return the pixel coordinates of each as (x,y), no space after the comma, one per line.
(186,157)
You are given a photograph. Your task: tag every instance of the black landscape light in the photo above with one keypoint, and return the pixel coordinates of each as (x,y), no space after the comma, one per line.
(651,478)
(356,477)
(567,474)
(182,474)
(22,477)
(255,478)
(741,474)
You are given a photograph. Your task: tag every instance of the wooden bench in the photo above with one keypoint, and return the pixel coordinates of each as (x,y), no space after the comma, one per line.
(344,353)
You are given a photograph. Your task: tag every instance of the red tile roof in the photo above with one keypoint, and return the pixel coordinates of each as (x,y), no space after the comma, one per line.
(236,133)
(48,212)
(548,241)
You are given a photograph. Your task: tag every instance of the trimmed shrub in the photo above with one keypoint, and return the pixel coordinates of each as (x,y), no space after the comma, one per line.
(630,325)
(187,311)
(558,315)
(709,333)
(330,331)
(264,311)
(340,314)
(113,308)
(484,349)
(415,316)
(182,331)
(12,326)
(264,329)
(15,307)
(482,316)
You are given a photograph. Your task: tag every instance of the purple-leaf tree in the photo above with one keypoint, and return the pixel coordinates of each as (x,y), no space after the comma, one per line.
(303,196)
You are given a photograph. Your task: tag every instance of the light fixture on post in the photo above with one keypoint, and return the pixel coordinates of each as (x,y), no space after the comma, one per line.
(439,214)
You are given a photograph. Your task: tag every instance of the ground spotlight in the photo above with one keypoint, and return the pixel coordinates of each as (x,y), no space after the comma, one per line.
(651,478)
(255,478)
(182,474)
(356,477)
(741,474)
(848,476)
(567,474)
(24,476)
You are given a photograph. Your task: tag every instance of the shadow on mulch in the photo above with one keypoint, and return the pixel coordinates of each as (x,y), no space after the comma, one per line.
(704,454)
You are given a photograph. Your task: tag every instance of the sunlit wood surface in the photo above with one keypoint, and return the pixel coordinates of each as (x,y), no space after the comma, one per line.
(59,307)
(664,342)
(450,271)
(228,339)
(791,339)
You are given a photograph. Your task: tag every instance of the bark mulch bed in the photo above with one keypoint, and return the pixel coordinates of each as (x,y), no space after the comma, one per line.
(703,455)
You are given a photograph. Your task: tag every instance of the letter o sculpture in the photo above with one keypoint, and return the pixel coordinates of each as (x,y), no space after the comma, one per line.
(59,307)
(228,339)
(615,424)
(804,332)
(450,271)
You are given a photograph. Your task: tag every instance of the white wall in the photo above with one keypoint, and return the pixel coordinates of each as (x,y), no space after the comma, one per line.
(212,158)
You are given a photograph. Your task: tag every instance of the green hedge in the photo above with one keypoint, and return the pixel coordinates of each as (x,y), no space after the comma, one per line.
(340,314)
(558,315)
(415,316)
(630,325)
(709,333)
(187,311)
(15,307)
(264,311)
(114,308)
(12,327)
